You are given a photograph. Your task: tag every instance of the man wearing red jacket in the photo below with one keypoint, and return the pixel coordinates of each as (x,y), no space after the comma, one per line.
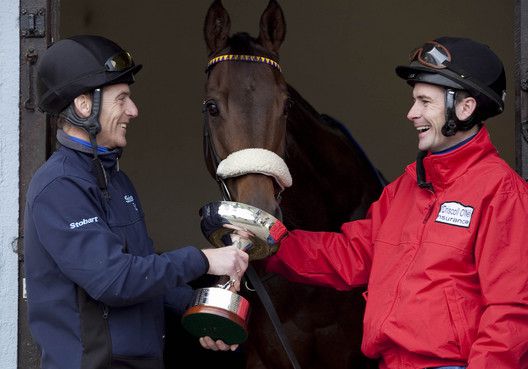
(444,251)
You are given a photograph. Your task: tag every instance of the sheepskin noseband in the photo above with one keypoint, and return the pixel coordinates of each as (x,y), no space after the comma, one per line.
(255,161)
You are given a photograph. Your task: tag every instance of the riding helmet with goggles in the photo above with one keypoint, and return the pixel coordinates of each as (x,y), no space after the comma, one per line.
(460,64)
(80,64)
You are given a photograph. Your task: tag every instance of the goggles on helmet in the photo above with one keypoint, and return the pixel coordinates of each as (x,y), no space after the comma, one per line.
(431,54)
(119,62)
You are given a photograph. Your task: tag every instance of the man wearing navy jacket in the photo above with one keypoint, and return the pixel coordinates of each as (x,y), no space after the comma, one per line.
(96,288)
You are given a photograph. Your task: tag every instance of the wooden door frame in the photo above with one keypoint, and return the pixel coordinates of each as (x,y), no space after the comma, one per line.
(39,26)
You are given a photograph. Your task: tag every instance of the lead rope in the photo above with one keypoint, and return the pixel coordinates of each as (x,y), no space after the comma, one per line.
(272,313)
(251,274)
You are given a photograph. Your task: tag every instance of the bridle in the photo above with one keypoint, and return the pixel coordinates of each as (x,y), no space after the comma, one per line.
(284,181)
(274,165)
(209,148)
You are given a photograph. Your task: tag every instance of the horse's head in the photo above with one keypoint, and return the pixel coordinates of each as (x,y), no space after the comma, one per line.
(245,108)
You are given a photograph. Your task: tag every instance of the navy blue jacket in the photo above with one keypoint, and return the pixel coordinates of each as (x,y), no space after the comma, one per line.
(95,286)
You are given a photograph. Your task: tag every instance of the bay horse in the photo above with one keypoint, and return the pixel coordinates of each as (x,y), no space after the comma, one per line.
(249,105)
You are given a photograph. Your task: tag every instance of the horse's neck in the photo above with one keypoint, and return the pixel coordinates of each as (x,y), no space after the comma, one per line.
(307,133)
(331,178)
(301,103)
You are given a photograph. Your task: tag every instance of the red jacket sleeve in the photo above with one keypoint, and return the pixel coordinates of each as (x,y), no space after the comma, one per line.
(340,260)
(501,256)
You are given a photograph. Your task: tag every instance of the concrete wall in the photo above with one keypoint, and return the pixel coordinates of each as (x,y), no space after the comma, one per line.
(9,165)
(340,55)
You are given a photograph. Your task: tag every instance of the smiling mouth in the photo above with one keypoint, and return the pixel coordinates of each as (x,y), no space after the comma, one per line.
(422,129)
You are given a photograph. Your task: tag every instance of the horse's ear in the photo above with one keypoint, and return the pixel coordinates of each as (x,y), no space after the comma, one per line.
(216,27)
(272,27)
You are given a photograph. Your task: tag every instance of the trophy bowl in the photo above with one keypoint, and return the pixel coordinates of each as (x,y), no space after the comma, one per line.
(215,311)
(221,219)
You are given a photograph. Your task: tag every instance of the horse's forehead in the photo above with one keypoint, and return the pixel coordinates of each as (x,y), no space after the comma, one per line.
(246,78)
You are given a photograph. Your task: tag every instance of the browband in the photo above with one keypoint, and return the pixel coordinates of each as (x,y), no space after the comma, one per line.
(246,58)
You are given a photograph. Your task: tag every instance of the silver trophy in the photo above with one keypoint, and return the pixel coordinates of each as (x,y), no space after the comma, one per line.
(215,311)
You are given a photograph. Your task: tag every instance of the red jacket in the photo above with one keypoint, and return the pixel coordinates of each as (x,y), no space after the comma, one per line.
(446,269)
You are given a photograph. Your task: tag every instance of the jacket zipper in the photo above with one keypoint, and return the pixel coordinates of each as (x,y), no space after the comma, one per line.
(427,216)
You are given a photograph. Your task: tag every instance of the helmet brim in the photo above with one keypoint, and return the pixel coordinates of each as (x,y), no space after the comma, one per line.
(423,74)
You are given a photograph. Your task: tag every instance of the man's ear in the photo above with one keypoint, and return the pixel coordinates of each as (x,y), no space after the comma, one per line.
(465,108)
(83,105)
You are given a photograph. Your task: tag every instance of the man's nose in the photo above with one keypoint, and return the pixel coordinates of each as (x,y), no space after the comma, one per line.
(413,113)
(132,110)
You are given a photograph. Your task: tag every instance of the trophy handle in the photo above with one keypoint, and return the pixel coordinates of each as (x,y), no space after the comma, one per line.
(225,282)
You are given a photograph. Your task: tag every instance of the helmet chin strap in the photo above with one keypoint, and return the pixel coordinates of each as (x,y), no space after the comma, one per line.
(92,126)
(453,124)
(450,127)
(91,123)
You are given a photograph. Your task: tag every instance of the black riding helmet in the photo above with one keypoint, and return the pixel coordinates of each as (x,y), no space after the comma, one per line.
(80,64)
(460,64)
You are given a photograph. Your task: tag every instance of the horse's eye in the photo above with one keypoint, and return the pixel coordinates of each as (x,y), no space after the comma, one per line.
(212,108)
(287,106)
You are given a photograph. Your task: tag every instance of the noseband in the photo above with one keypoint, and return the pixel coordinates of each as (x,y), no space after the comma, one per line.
(250,160)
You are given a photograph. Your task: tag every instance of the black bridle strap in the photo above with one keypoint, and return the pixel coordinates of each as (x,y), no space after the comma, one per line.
(272,313)
(209,148)
(250,271)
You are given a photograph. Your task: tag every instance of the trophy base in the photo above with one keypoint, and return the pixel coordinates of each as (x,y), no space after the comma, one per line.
(219,314)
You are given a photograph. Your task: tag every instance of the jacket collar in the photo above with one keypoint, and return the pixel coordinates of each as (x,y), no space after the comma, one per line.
(110,158)
(442,169)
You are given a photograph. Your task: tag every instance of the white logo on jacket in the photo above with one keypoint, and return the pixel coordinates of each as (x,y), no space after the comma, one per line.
(455,213)
(82,222)
(130,199)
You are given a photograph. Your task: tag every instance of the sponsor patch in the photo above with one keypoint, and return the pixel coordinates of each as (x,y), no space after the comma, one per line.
(83,222)
(455,213)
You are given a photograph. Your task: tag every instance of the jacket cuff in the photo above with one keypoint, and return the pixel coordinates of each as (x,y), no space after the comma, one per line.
(206,261)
